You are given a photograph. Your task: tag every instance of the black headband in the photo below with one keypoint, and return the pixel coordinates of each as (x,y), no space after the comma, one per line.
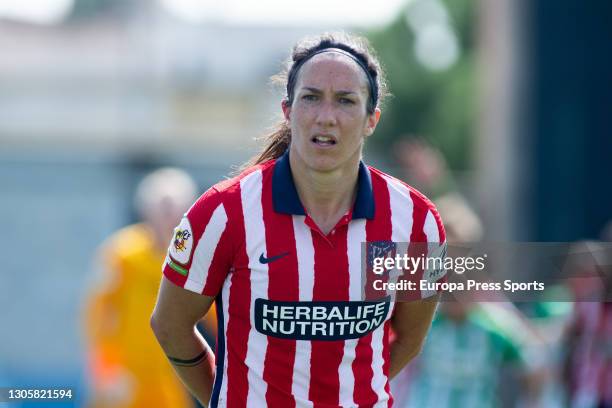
(296,67)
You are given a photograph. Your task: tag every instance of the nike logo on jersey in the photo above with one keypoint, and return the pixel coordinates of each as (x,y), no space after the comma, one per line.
(265,260)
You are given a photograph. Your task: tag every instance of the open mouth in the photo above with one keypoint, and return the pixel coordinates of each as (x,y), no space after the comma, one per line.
(323,140)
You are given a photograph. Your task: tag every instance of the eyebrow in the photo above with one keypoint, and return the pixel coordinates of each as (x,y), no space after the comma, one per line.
(318,91)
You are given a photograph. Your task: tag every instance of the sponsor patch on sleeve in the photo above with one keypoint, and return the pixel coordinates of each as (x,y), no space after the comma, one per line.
(436,269)
(181,244)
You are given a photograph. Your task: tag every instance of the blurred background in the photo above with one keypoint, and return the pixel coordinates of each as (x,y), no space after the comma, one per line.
(504,105)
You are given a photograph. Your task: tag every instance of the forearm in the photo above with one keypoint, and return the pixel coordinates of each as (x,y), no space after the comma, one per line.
(402,353)
(410,323)
(192,359)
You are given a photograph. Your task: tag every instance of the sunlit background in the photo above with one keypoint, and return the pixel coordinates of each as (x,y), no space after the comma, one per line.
(515,96)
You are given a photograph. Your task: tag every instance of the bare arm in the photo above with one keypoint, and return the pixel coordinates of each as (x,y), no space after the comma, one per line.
(410,323)
(173,322)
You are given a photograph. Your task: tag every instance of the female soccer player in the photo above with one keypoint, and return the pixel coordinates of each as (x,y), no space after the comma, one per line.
(279,249)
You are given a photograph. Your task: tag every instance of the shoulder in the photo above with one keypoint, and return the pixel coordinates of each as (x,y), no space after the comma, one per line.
(402,189)
(226,195)
(233,185)
(403,195)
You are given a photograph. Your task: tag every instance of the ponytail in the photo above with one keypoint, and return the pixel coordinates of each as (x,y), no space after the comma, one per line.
(276,143)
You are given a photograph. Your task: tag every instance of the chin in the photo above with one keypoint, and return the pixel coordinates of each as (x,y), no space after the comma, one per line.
(323,164)
(319,161)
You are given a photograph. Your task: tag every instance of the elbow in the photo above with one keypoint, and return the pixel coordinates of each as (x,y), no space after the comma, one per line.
(168,331)
(161,331)
(409,351)
(415,352)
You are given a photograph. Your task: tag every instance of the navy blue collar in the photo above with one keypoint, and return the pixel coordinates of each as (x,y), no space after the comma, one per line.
(287,201)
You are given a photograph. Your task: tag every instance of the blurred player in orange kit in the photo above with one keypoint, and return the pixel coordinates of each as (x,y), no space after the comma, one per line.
(126,366)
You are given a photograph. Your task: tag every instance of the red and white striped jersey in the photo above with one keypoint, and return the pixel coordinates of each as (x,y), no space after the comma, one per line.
(293,329)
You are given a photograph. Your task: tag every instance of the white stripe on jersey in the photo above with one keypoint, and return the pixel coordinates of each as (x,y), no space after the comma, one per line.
(379,379)
(401,210)
(401,228)
(430,228)
(255,232)
(225,297)
(203,255)
(355,236)
(305,256)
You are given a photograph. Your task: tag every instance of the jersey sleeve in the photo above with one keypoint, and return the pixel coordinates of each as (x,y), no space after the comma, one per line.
(434,270)
(200,254)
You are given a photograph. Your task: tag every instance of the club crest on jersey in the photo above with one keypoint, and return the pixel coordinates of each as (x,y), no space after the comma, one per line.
(182,242)
(327,321)
(180,238)
(380,249)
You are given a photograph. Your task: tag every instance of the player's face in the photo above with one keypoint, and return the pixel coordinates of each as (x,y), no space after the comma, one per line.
(328,118)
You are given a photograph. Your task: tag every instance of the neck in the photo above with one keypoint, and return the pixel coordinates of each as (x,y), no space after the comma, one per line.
(326,196)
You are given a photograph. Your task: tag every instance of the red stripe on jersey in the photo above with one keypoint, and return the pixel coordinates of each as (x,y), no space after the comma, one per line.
(378,229)
(330,256)
(238,326)
(417,236)
(220,262)
(282,286)
(442,238)
(441,231)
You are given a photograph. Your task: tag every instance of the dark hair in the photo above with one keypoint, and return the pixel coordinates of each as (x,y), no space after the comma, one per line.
(279,138)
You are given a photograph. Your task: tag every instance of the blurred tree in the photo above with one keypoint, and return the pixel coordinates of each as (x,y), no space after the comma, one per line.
(83,9)
(428,52)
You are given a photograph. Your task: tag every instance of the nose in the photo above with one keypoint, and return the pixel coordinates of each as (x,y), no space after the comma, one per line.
(326,115)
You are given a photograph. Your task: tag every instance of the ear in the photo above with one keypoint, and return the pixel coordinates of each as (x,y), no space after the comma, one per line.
(371,122)
(286,107)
